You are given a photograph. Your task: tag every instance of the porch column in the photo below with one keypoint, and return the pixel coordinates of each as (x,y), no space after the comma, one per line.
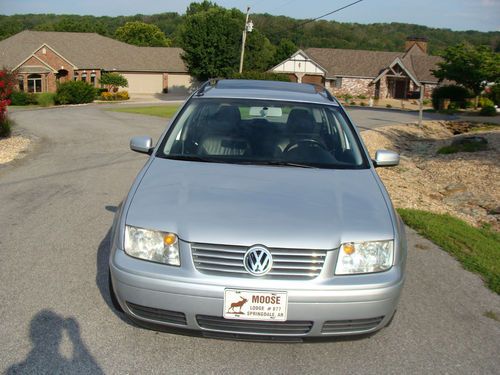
(299,77)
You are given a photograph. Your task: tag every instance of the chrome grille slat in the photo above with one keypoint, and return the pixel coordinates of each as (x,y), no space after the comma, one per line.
(249,326)
(355,325)
(287,263)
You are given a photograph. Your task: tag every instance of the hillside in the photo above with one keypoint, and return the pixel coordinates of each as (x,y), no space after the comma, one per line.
(379,36)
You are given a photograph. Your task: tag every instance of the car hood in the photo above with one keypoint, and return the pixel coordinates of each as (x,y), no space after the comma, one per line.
(285,207)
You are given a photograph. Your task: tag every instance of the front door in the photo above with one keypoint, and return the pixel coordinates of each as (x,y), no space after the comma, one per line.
(400,88)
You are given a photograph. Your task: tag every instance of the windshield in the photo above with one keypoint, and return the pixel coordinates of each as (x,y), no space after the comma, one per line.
(251,131)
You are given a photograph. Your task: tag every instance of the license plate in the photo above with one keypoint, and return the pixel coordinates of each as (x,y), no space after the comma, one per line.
(255,305)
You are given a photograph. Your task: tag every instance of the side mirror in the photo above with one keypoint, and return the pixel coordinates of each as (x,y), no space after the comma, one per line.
(385,158)
(142,144)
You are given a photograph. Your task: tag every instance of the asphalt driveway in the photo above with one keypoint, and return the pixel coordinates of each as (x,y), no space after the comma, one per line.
(56,207)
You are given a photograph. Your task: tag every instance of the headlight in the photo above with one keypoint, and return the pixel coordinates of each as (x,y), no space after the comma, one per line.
(152,245)
(365,257)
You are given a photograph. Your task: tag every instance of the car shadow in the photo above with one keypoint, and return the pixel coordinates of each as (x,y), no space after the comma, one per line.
(46,333)
(102,270)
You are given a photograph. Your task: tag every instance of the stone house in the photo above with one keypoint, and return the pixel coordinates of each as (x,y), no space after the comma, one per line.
(42,59)
(376,74)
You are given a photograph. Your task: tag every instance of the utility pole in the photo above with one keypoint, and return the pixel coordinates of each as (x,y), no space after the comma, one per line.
(244,38)
(421,105)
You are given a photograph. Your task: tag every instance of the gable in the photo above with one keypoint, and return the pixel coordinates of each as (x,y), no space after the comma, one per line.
(53,58)
(33,64)
(397,69)
(299,62)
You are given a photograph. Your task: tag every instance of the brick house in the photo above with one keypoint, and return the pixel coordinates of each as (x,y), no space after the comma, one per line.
(376,74)
(42,59)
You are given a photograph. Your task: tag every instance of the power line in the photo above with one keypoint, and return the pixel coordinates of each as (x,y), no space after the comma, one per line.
(327,14)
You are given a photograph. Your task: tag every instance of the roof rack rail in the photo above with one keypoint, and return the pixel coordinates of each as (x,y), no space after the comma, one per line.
(322,90)
(212,82)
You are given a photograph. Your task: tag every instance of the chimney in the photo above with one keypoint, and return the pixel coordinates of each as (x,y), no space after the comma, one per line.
(419,41)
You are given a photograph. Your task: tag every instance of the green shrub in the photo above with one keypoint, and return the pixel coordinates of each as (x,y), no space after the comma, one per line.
(485,102)
(361,96)
(22,98)
(45,99)
(426,101)
(388,106)
(362,104)
(75,92)
(488,111)
(454,93)
(263,76)
(5,127)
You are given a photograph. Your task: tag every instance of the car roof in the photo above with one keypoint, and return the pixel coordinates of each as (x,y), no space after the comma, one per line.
(267,90)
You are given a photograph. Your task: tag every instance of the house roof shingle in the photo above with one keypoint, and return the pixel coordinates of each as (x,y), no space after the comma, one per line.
(90,50)
(361,63)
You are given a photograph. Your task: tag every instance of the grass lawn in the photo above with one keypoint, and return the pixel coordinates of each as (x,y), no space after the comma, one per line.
(478,249)
(166,111)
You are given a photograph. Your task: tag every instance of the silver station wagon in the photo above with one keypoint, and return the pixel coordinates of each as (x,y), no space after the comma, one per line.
(259,215)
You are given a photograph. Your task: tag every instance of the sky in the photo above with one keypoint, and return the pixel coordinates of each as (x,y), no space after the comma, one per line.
(483,15)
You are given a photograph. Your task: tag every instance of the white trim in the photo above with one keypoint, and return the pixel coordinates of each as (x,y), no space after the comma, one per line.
(398,61)
(39,59)
(307,59)
(57,53)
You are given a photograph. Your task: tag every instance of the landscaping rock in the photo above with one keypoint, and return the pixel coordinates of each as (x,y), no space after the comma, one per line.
(462,141)
(462,184)
(454,188)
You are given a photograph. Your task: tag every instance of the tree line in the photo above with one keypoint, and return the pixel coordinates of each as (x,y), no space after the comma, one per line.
(328,34)
(211,35)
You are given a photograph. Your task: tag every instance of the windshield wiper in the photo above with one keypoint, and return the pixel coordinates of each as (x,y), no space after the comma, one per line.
(281,163)
(194,158)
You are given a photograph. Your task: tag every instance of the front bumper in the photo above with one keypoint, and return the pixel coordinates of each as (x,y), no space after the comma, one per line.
(185,298)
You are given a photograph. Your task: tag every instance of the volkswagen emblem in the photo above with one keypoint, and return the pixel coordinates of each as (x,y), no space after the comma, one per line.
(258,260)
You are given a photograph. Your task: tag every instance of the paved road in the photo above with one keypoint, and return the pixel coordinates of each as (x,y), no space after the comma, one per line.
(55,212)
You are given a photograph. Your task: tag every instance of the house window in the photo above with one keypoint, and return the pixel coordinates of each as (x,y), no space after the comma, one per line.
(92,79)
(84,77)
(34,83)
(338,83)
(20,83)
(75,76)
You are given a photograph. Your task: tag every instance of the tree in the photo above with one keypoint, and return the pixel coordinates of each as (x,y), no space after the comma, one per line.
(469,66)
(284,50)
(112,81)
(142,34)
(211,41)
(259,52)
(205,5)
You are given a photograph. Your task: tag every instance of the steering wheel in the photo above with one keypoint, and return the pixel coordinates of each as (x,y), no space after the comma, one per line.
(305,142)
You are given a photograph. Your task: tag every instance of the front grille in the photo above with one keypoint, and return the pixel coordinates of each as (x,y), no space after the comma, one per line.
(226,260)
(159,315)
(355,325)
(252,326)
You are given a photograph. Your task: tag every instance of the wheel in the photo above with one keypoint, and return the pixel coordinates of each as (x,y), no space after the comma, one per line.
(112,294)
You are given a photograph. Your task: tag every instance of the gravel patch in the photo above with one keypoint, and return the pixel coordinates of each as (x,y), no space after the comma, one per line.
(13,148)
(463,184)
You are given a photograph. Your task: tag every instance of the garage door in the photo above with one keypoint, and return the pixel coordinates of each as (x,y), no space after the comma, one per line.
(179,83)
(312,79)
(142,83)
